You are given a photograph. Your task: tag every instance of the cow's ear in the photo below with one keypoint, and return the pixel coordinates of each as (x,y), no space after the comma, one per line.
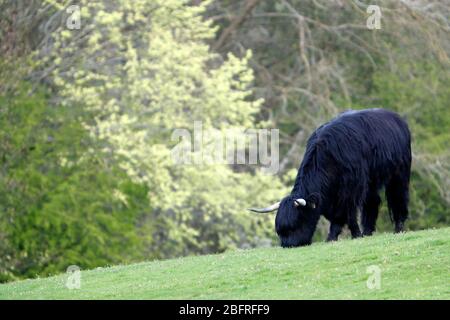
(312,201)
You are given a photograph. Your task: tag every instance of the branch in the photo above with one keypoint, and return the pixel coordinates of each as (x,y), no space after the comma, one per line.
(250,4)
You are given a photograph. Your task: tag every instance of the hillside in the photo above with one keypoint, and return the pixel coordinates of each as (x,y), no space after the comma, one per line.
(413,265)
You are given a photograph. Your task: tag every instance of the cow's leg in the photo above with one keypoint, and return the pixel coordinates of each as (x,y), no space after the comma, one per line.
(353,223)
(335,231)
(397,195)
(344,214)
(370,212)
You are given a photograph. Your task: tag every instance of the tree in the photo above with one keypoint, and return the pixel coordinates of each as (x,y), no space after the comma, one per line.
(144,69)
(314,59)
(60,203)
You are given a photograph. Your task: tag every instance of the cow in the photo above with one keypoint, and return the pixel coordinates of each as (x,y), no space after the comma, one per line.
(346,163)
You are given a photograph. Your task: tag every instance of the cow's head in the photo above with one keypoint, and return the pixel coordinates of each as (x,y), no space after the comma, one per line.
(296,219)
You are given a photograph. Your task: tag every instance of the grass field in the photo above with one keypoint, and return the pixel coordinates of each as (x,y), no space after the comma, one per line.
(413,265)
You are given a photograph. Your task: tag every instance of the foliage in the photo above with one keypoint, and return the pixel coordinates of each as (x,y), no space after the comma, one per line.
(60,203)
(154,78)
(314,59)
(151,80)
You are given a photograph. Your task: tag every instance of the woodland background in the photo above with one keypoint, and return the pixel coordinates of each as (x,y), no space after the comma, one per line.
(86,117)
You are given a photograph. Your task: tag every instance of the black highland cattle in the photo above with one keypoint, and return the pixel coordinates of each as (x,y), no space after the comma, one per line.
(346,163)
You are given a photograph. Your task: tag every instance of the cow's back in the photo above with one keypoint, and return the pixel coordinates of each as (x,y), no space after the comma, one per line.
(374,142)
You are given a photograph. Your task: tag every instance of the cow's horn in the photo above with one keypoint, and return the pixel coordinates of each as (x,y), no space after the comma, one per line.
(300,202)
(273,207)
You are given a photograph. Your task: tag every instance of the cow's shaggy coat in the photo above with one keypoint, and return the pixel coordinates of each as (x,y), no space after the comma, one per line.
(347,161)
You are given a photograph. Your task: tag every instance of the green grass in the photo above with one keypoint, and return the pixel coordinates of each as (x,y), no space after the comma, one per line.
(414,265)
